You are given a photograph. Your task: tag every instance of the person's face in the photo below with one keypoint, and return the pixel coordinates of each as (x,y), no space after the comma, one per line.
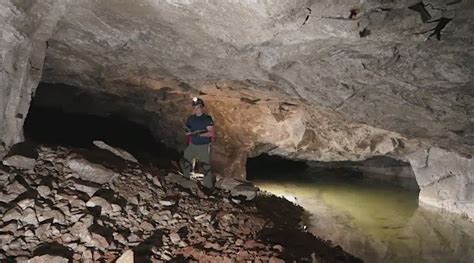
(197,110)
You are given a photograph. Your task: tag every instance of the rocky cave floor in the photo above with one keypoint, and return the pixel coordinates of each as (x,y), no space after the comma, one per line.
(82,205)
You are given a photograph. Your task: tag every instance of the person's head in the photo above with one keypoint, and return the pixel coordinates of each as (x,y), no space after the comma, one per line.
(198,105)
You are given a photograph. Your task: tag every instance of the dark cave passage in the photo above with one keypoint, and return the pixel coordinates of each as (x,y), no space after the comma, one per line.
(272,166)
(379,169)
(55,127)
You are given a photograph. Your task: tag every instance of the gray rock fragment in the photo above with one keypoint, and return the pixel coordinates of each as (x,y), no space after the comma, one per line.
(91,172)
(43,190)
(117,151)
(178,179)
(48,259)
(19,161)
(105,206)
(126,257)
(250,192)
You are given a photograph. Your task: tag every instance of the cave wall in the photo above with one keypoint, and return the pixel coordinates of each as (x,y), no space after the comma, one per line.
(25,28)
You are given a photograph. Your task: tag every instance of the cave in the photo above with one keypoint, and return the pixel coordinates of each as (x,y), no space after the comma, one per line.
(337,131)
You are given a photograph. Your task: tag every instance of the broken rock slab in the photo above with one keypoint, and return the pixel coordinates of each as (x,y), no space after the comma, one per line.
(89,171)
(178,179)
(20,162)
(87,188)
(238,188)
(12,192)
(48,259)
(21,155)
(228,183)
(248,191)
(126,257)
(105,206)
(117,151)
(445,180)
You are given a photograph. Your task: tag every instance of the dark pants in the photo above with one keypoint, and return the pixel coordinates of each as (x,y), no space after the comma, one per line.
(203,154)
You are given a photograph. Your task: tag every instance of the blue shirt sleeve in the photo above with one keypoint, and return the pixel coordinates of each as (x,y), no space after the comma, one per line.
(210,121)
(188,123)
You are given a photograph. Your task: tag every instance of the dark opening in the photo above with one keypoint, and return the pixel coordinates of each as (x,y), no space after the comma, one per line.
(53,126)
(272,166)
(378,169)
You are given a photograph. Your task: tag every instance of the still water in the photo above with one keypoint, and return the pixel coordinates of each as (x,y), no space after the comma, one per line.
(375,221)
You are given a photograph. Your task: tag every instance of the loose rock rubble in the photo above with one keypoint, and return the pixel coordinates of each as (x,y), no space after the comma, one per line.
(70,208)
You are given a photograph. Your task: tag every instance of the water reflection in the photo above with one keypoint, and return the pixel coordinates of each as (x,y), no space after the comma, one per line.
(376,222)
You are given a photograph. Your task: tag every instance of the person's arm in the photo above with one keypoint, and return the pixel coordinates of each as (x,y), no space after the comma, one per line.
(187,127)
(210,132)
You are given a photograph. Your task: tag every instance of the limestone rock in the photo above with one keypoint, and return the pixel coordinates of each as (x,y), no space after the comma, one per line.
(227,183)
(88,189)
(146,226)
(43,231)
(13,190)
(90,171)
(10,227)
(166,202)
(43,190)
(119,152)
(250,192)
(11,214)
(178,179)
(444,179)
(126,257)
(87,255)
(105,206)
(156,182)
(48,259)
(16,188)
(5,239)
(162,216)
(7,198)
(56,215)
(28,217)
(98,240)
(67,238)
(174,237)
(23,47)
(19,161)
(291,198)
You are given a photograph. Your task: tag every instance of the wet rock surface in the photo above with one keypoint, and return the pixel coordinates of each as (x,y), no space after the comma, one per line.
(141,216)
(445,180)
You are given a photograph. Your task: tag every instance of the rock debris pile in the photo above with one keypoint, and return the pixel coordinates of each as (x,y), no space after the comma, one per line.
(92,206)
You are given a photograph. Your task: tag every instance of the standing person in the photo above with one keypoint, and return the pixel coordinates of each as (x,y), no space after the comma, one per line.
(200,132)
